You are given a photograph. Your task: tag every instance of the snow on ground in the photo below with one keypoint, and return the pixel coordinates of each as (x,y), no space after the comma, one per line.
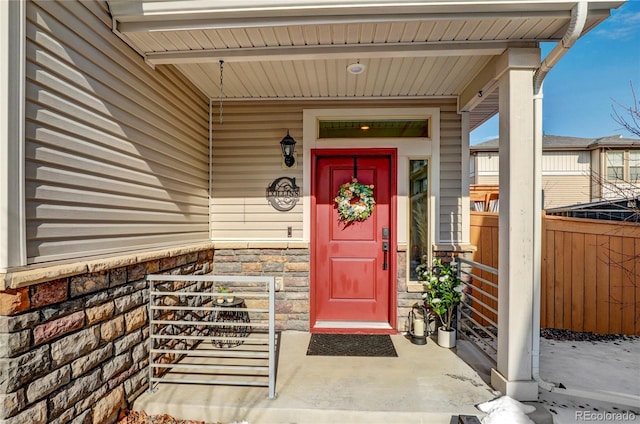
(608,368)
(605,367)
(571,410)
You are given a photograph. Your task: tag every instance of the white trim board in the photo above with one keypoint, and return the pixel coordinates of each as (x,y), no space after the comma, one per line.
(12,112)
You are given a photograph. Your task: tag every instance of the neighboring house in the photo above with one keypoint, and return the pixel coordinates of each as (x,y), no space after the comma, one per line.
(141,136)
(574,170)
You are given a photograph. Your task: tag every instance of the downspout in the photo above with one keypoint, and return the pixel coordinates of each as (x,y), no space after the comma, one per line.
(576,26)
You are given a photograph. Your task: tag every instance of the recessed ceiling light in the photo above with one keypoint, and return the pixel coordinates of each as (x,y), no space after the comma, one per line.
(356,68)
(364,127)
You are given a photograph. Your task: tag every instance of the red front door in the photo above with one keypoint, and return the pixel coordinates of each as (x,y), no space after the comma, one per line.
(353,264)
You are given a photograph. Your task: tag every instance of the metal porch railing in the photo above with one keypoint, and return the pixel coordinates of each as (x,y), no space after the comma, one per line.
(477,319)
(195,340)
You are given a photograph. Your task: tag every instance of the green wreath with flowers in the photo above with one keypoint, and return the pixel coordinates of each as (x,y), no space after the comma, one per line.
(355,201)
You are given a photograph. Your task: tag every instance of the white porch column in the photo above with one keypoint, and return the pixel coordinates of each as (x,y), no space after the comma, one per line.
(513,376)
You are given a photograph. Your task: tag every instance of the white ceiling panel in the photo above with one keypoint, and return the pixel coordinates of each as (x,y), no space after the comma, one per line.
(395,77)
(301,49)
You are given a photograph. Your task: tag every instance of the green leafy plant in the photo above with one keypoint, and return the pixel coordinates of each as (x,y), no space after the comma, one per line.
(442,289)
(223,289)
(224,293)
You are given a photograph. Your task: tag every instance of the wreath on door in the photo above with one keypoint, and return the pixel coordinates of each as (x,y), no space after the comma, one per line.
(355,201)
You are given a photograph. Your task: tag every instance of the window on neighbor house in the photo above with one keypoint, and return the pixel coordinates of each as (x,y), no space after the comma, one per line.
(615,166)
(418,214)
(623,165)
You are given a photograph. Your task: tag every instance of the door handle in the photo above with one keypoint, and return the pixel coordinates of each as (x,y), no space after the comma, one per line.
(385,249)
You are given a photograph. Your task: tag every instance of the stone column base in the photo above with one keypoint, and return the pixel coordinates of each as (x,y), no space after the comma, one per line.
(522,390)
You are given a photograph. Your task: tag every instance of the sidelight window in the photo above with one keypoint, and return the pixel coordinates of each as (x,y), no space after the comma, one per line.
(419,213)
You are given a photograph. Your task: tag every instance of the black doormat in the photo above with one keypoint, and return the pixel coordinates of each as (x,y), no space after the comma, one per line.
(351,345)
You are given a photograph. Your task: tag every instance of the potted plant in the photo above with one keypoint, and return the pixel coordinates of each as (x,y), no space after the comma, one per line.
(230,295)
(223,294)
(442,292)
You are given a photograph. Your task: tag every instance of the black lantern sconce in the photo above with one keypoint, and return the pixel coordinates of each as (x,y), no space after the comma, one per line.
(288,145)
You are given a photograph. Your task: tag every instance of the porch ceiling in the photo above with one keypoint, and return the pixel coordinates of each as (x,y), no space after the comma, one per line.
(301,49)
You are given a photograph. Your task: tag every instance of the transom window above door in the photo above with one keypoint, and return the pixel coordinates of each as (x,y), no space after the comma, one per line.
(374,128)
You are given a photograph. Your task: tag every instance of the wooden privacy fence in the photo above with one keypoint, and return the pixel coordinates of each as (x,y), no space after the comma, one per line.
(590,271)
(590,275)
(484,235)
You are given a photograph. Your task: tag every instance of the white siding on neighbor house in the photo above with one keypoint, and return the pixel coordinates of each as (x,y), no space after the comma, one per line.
(597,174)
(569,162)
(565,176)
(487,163)
(622,190)
(116,152)
(247,158)
(565,190)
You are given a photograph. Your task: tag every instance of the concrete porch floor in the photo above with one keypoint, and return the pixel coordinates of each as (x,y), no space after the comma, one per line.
(424,384)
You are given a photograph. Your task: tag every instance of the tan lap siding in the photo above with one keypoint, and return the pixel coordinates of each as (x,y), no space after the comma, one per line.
(116,152)
(247,157)
(450,175)
(565,190)
(488,179)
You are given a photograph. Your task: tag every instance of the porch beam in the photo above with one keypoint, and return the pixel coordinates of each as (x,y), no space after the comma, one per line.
(215,20)
(487,80)
(514,373)
(483,84)
(343,51)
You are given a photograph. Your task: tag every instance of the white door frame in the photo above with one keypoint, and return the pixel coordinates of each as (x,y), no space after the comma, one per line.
(408,148)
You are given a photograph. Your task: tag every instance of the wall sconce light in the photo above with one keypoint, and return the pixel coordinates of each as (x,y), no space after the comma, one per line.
(288,145)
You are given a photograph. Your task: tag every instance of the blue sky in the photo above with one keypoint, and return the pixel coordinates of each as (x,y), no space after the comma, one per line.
(580,90)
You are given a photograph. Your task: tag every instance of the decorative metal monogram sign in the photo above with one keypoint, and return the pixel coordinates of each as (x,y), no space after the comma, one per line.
(283,194)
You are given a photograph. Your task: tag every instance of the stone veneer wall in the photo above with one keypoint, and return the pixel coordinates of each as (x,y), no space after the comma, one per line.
(290,263)
(406,297)
(74,349)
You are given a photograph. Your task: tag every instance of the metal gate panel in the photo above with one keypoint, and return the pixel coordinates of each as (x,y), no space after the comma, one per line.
(195,340)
